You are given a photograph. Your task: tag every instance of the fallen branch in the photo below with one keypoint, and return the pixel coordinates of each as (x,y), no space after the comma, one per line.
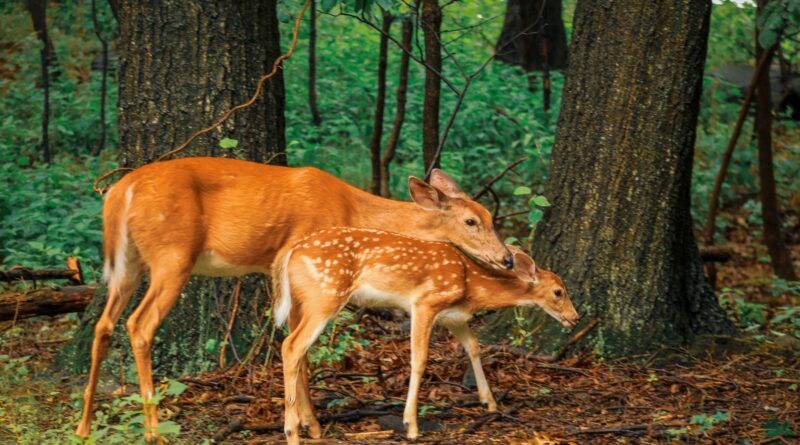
(575,338)
(72,272)
(714,254)
(45,301)
(610,429)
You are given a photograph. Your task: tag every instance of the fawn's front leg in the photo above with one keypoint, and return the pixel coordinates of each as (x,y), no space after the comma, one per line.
(421,324)
(464,335)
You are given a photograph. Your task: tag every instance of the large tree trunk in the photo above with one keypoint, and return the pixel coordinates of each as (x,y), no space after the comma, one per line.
(773,229)
(530,27)
(620,229)
(182,64)
(431,24)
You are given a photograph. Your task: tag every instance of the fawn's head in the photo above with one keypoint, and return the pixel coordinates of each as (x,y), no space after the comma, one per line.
(462,221)
(546,290)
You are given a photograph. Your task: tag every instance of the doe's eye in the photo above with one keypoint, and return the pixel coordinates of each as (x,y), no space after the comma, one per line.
(470,222)
(558,293)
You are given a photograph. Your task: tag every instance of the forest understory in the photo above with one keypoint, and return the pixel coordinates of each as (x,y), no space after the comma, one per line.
(720,390)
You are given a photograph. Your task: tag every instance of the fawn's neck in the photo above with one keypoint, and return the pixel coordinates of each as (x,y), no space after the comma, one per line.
(492,289)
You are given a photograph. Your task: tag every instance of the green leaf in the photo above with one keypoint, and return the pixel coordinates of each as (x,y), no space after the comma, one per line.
(327,5)
(522,190)
(175,388)
(775,428)
(212,345)
(168,427)
(768,37)
(385,4)
(535,216)
(540,201)
(511,240)
(228,143)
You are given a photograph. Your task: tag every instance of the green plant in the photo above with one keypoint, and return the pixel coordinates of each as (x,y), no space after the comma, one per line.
(705,422)
(332,346)
(775,428)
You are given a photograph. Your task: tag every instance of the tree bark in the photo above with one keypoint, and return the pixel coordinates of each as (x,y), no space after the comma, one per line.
(431,23)
(182,64)
(400,116)
(312,64)
(380,106)
(44,301)
(533,35)
(770,214)
(620,229)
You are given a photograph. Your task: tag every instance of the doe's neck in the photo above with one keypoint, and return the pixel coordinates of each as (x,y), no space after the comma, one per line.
(392,215)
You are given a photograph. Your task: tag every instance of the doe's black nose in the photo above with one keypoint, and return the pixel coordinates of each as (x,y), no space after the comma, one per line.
(508,262)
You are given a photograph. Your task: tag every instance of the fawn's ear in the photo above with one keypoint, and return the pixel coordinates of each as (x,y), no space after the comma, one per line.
(525,267)
(425,195)
(445,184)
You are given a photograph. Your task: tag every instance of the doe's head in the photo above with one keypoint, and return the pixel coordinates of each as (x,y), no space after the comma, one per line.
(464,222)
(546,290)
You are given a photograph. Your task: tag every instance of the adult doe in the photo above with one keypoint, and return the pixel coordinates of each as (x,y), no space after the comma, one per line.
(225,217)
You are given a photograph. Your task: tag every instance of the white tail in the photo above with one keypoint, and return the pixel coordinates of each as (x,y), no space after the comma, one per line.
(282,289)
(225,217)
(433,281)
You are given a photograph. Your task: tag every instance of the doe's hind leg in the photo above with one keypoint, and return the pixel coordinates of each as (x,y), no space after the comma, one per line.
(118,295)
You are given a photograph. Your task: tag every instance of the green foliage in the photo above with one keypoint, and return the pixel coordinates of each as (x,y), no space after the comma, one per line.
(779,17)
(49,213)
(705,422)
(776,428)
(337,339)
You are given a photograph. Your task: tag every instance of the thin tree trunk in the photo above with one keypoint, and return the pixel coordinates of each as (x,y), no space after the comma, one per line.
(101,143)
(38,11)
(770,214)
(713,200)
(520,41)
(312,65)
(380,105)
(431,23)
(399,118)
(544,50)
(182,64)
(620,228)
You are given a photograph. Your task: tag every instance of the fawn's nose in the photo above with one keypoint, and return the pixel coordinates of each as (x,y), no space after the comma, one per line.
(508,262)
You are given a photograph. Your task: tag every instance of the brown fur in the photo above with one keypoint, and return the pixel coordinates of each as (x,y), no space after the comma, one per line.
(225,217)
(433,281)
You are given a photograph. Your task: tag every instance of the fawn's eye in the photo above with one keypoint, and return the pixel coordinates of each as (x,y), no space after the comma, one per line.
(470,222)
(558,293)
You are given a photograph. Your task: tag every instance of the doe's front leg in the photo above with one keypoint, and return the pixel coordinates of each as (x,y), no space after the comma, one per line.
(421,325)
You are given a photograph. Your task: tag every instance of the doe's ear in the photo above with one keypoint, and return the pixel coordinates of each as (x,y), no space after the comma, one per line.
(424,195)
(525,267)
(445,184)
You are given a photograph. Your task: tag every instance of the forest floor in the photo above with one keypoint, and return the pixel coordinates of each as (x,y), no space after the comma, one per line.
(720,391)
